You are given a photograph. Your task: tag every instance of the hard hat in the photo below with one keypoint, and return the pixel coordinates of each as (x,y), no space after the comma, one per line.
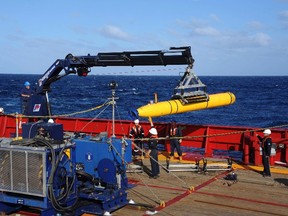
(267,131)
(50,121)
(153,131)
(27,83)
(1,110)
(136,121)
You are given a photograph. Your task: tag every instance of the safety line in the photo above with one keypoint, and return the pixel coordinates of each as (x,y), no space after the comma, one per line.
(162,166)
(119,117)
(63,115)
(95,117)
(142,180)
(145,139)
(123,160)
(215,135)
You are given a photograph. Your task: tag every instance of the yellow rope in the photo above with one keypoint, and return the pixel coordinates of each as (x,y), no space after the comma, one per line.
(146,139)
(63,115)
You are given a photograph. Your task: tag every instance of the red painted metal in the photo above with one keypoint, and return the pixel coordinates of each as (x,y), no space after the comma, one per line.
(207,137)
(246,144)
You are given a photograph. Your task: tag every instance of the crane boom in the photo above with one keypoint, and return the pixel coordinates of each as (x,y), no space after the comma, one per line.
(82,64)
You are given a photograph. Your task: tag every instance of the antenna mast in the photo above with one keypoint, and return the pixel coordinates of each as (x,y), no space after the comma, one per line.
(113,86)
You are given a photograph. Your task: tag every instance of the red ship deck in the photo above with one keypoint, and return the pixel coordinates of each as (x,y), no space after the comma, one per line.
(195,193)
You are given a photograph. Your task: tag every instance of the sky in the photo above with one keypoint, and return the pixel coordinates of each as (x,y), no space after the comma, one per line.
(227,37)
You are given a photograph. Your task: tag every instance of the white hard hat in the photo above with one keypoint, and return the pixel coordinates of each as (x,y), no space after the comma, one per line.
(153,131)
(1,110)
(50,121)
(136,121)
(267,131)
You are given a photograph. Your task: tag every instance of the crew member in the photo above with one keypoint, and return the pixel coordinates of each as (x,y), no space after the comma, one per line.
(152,145)
(266,144)
(137,132)
(175,133)
(26,93)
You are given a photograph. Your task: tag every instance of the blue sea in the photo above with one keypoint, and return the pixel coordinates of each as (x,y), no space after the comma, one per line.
(260,101)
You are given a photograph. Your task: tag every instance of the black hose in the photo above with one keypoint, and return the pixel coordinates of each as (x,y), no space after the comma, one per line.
(55,163)
(87,176)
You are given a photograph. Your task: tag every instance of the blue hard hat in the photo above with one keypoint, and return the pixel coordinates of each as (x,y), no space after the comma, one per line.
(27,83)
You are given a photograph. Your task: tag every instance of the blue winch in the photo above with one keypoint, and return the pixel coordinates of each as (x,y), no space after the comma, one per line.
(82,174)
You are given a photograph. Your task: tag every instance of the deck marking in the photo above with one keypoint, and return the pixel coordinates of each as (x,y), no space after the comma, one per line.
(188,192)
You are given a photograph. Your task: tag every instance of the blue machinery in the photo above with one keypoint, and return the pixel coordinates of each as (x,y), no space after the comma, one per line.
(59,174)
(76,175)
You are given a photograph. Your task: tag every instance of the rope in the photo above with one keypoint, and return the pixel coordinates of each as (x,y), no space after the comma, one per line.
(119,117)
(147,186)
(126,163)
(95,116)
(162,166)
(63,115)
(89,110)
(214,135)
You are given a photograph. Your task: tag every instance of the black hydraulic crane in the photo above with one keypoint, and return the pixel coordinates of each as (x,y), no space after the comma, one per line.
(81,65)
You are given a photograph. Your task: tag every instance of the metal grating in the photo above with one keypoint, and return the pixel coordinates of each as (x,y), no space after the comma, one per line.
(5,180)
(22,171)
(19,171)
(35,170)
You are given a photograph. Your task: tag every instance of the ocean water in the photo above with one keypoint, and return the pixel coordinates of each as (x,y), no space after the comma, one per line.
(260,101)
